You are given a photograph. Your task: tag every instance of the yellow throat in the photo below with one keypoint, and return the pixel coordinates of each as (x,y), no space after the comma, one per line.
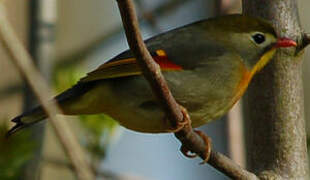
(263,61)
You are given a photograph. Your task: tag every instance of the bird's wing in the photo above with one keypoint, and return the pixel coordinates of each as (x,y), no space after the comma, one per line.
(126,65)
(184,48)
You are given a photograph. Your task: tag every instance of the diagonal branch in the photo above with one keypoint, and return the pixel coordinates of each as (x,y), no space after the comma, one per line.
(152,73)
(150,69)
(23,63)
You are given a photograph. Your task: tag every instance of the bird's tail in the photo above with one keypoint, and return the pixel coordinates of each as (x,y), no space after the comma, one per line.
(37,114)
(26,119)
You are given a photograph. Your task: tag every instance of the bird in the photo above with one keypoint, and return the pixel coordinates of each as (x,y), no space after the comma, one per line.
(208,66)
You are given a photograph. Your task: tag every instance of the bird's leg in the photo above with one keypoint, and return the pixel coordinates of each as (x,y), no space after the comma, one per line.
(207,141)
(179,125)
(204,137)
(187,121)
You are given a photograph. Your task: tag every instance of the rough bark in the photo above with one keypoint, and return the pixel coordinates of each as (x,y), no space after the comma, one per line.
(274,104)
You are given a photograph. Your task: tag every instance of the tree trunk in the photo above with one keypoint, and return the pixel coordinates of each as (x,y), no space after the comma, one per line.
(275,125)
(41,40)
(32,168)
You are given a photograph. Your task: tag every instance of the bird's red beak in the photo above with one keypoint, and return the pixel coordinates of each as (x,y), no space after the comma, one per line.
(285,42)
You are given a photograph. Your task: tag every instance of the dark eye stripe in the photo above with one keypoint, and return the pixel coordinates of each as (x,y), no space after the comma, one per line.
(259,38)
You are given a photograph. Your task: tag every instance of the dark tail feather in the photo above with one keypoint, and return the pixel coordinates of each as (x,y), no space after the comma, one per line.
(35,115)
(18,125)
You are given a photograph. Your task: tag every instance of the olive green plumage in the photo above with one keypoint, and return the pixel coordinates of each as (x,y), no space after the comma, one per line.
(208,66)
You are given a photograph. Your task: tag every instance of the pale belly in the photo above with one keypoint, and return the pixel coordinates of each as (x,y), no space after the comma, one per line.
(130,101)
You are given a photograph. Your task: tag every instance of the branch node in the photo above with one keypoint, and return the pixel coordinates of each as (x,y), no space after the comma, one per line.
(304,42)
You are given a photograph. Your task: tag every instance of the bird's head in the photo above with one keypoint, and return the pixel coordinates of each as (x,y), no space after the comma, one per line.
(254,39)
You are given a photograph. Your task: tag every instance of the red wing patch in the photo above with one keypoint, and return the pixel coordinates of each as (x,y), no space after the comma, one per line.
(129,67)
(162,60)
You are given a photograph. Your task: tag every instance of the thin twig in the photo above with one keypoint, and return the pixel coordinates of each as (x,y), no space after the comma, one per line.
(153,74)
(23,63)
(150,69)
(305,41)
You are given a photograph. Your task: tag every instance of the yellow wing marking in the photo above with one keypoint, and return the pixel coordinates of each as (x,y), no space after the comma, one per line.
(114,69)
(128,67)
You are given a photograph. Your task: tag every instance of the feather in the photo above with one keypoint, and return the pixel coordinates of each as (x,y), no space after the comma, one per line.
(128,67)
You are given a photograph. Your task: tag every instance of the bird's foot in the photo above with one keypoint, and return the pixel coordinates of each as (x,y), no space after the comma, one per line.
(207,142)
(179,125)
(187,121)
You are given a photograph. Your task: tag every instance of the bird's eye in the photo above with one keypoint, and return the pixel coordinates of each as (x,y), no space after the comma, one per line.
(259,38)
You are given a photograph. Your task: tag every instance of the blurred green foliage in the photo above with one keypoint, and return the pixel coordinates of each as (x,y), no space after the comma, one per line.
(100,129)
(14,152)
(97,132)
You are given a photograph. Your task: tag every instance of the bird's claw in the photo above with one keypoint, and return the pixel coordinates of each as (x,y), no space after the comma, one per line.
(207,142)
(180,125)
(185,151)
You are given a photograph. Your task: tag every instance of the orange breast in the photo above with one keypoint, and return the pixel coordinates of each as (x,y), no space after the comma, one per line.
(243,83)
